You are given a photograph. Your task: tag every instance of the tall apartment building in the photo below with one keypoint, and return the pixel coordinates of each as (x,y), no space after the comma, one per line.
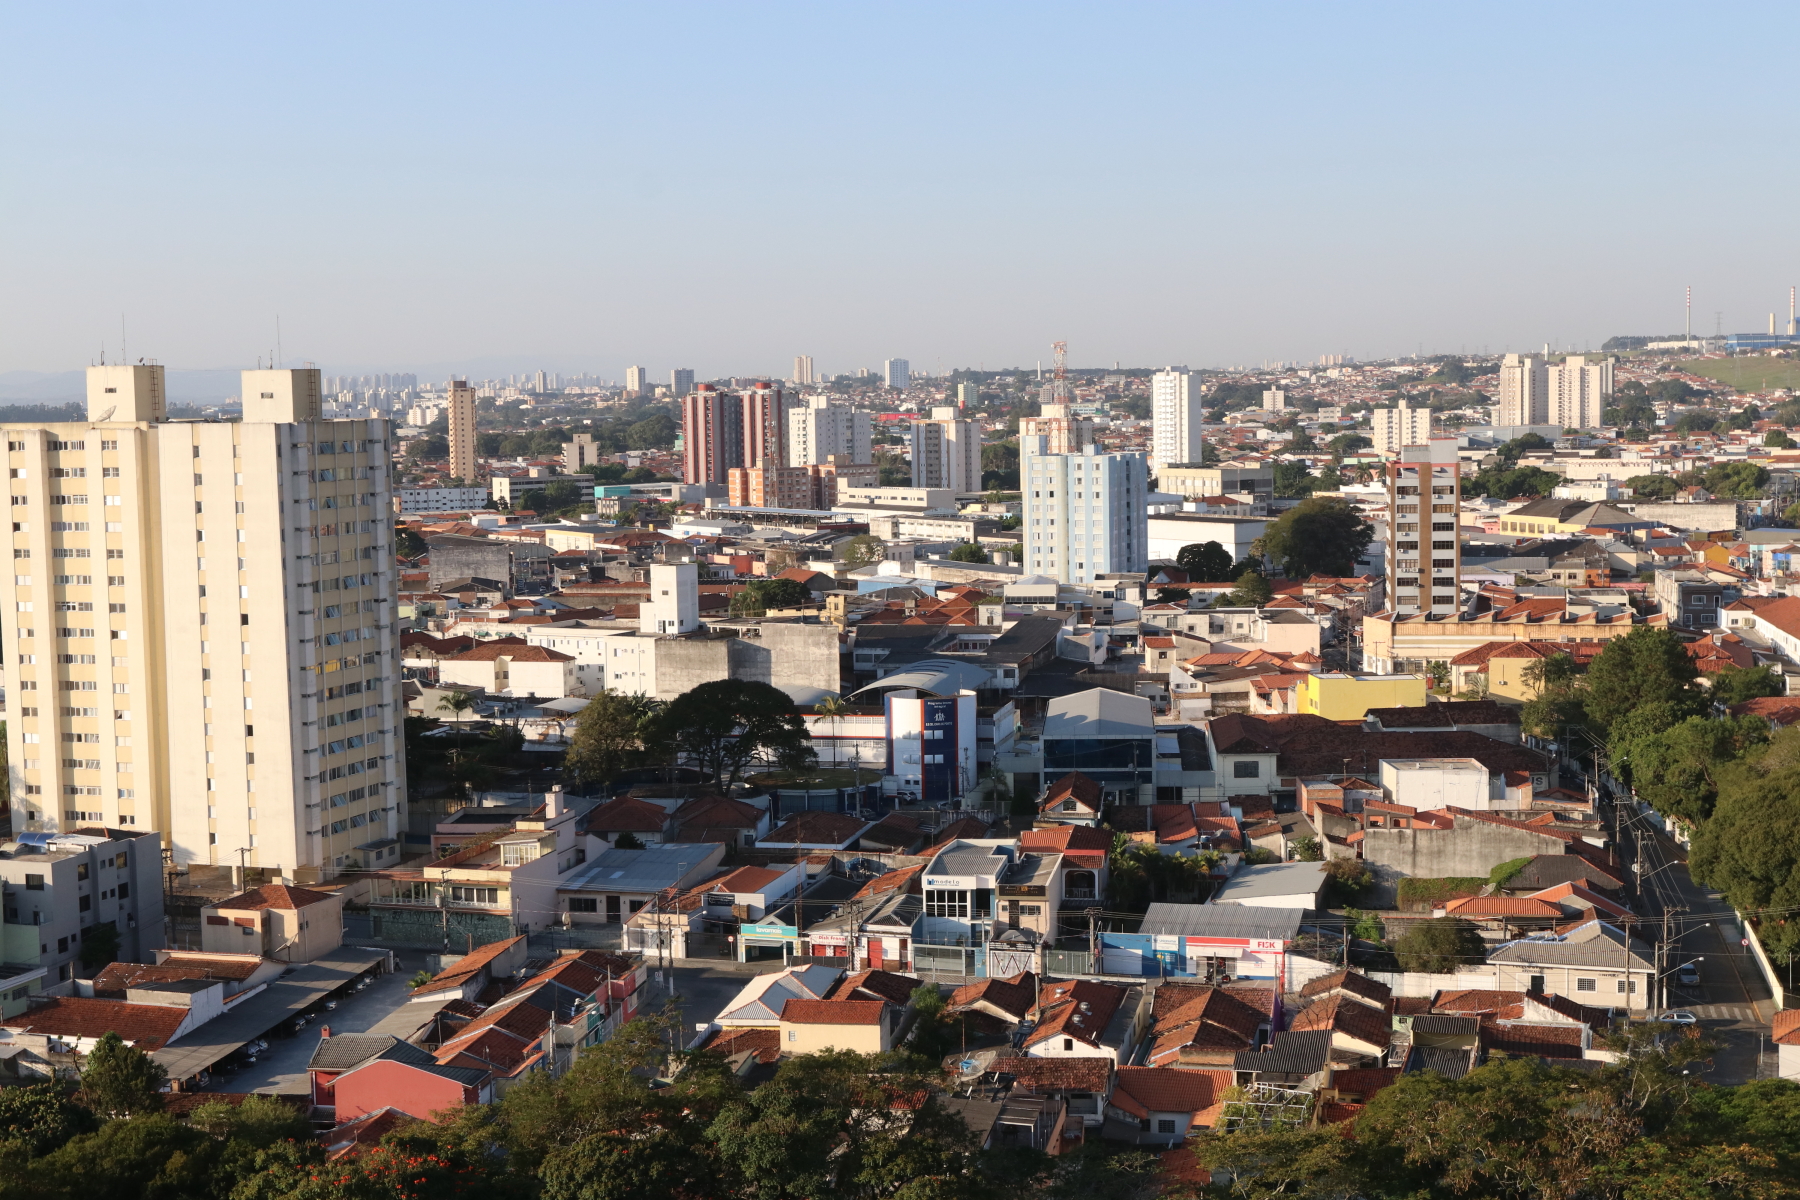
(1577,392)
(1065,433)
(897,372)
(1400,426)
(582,452)
(712,435)
(1084,514)
(803,369)
(681,381)
(946,452)
(831,477)
(1524,390)
(765,425)
(819,429)
(1177,398)
(968,395)
(190,595)
(461,412)
(637,381)
(1274,400)
(1424,548)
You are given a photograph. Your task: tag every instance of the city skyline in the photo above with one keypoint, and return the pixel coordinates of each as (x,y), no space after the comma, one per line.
(1291,200)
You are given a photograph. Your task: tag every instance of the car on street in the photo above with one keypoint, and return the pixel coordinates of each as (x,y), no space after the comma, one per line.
(1688,976)
(1680,1017)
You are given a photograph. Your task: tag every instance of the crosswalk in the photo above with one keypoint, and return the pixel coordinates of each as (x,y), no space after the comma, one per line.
(1726,1012)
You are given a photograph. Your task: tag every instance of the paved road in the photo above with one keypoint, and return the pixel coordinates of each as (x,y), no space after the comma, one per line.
(379,1008)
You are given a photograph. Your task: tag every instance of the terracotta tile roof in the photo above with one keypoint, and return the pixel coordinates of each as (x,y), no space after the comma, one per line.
(116,977)
(492,651)
(1363,1082)
(626,815)
(349,1138)
(1084,1074)
(874,985)
(1343,1015)
(1354,982)
(1076,1008)
(1141,1091)
(745,880)
(816,828)
(1074,784)
(1543,1041)
(1501,1006)
(1584,897)
(1014,995)
(905,878)
(717,812)
(1787,1027)
(832,1012)
(764,1043)
(145,1026)
(275,895)
(1501,906)
(1335,1112)
(467,967)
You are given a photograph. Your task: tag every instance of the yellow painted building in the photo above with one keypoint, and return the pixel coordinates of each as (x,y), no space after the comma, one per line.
(1338,696)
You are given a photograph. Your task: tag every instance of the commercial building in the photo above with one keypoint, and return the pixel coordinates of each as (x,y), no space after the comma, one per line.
(637,381)
(441,499)
(1424,551)
(1400,426)
(1177,408)
(1338,696)
(59,886)
(770,486)
(819,430)
(946,452)
(1085,514)
(188,596)
(897,372)
(461,412)
(681,381)
(1524,390)
(1193,479)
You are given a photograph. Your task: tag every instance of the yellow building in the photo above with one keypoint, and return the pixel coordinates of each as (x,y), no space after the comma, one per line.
(814,1026)
(187,595)
(1338,696)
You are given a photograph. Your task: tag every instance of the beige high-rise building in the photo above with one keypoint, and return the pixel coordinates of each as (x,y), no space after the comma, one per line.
(1400,426)
(637,381)
(1524,391)
(1577,392)
(1065,433)
(946,452)
(188,596)
(803,369)
(462,431)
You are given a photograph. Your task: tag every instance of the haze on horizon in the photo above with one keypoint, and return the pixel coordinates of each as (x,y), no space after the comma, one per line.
(494,189)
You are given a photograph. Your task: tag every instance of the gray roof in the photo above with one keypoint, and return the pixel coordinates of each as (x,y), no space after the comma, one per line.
(1274,879)
(939,676)
(1028,636)
(1099,713)
(1289,1054)
(1595,945)
(963,858)
(1450,1063)
(648,870)
(1229,920)
(346,1050)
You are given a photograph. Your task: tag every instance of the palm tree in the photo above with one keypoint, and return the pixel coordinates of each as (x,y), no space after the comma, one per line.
(833,709)
(456,704)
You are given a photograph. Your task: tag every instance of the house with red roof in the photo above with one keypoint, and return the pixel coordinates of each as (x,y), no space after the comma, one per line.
(1164,1105)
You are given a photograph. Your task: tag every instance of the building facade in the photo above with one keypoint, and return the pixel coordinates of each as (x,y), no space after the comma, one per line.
(1577,391)
(242,576)
(946,452)
(712,431)
(1085,514)
(765,422)
(637,381)
(1400,426)
(1177,408)
(897,373)
(1524,390)
(681,381)
(1062,431)
(461,413)
(1424,551)
(803,369)
(819,429)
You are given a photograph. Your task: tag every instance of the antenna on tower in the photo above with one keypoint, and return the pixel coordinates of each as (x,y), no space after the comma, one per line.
(1689,333)
(1057,390)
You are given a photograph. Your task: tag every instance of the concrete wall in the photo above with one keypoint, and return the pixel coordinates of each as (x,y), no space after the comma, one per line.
(784,656)
(455,558)
(1472,848)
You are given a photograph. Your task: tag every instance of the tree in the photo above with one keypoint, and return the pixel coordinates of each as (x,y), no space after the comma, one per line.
(456,704)
(1347,443)
(1205,562)
(1678,769)
(1320,536)
(1554,673)
(728,724)
(1749,846)
(760,595)
(1645,666)
(655,432)
(1653,487)
(1347,881)
(1292,480)
(1737,481)
(408,543)
(1439,946)
(608,737)
(1778,439)
(1250,590)
(863,550)
(99,945)
(119,1080)
(1734,685)
(40,1117)
(968,552)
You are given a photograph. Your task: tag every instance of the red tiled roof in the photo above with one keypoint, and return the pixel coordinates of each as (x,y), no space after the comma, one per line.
(745,880)
(1014,995)
(627,815)
(1787,1027)
(274,895)
(145,1026)
(468,966)
(1141,1091)
(764,1043)
(1075,784)
(903,878)
(1088,1073)
(832,1012)
(874,985)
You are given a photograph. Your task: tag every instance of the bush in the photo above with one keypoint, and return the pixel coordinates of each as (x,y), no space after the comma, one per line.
(1429,893)
(1439,947)
(1346,880)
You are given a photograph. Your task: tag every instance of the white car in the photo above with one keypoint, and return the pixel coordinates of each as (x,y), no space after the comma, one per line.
(1680,1017)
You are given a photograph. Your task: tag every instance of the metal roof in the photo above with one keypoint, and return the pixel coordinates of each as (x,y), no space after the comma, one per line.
(939,676)
(1273,879)
(1099,713)
(1596,946)
(1228,921)
(1290,1054)
(301,987)
(648,870)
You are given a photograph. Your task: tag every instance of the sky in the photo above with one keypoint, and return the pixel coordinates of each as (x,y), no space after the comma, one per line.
(483,189)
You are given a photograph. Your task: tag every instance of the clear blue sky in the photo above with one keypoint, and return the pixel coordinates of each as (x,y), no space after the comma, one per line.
(501,186)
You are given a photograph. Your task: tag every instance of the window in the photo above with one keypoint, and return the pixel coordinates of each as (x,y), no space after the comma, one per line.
(1165,1125)
(1246,770)
(1584,985)
(1068,1044)
(1621,985)
(577,904)
(34,883)
(793,1035)
(953,904)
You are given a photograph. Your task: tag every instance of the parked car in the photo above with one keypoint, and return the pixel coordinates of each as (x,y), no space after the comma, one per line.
(1680,1017)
